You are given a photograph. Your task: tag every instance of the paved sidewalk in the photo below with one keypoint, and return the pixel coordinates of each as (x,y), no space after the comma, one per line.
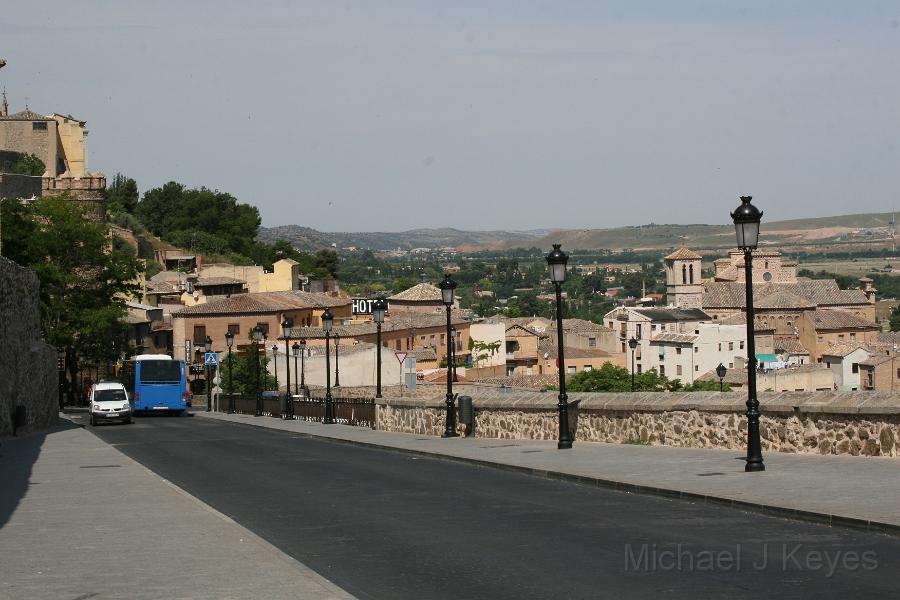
(79,519)
(837,490)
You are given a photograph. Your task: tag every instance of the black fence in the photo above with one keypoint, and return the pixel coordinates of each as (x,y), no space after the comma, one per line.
(356,411)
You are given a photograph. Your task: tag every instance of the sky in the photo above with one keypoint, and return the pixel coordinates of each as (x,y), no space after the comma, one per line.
(386,116)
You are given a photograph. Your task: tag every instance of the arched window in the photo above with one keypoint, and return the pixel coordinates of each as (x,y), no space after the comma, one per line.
(691,271)
(683,274)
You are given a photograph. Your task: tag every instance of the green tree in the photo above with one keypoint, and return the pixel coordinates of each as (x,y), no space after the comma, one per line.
(705,386)
(28,164)
(610,378)
(895,319)
(121,195)
(243,378)
(83,280)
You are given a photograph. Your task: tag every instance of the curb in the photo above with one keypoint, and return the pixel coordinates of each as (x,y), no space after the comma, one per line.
(772,510)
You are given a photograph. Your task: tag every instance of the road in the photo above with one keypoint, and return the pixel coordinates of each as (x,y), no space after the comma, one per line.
(385,524)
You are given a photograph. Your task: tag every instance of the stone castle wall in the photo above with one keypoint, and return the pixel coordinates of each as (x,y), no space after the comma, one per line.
(849,423)
(28,374)
(19,186)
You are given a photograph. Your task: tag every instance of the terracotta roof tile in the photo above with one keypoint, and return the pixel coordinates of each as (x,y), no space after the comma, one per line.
(683,254)
(423,292)
(260,303)
(840,319)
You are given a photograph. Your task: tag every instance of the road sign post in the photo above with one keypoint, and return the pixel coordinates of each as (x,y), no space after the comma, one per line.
(401,356)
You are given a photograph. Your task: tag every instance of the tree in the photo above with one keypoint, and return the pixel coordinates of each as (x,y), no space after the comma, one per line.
(705,386)
(482,350)
(895,319)
(244,376)
(28,164)
(83,280)
(121,195)
(610,378)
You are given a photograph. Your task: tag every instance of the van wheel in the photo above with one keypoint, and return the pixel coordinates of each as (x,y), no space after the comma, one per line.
(129,421)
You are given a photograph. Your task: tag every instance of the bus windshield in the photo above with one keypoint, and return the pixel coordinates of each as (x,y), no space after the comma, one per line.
(160,371)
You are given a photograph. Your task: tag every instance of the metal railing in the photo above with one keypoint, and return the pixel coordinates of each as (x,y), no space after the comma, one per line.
(348,410)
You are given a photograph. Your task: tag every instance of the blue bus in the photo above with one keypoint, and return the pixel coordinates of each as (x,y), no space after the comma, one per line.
(158,383)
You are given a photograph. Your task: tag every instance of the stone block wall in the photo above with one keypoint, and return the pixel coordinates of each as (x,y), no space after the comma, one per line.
(19,186)
(28,374)
(849,423)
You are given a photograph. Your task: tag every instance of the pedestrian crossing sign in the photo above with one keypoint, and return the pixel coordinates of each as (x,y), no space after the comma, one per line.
(211,359)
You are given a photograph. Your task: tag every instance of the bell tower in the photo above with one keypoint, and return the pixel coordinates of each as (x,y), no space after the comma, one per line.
(684,287)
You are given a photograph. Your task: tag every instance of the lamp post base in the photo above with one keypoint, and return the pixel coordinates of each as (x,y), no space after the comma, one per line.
(754,467)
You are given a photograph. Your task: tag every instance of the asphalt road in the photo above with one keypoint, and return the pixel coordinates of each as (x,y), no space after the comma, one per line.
(384,524)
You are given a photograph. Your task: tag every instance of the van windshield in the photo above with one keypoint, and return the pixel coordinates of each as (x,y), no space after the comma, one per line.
(109,396)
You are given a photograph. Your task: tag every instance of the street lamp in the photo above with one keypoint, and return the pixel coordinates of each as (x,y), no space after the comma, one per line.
(275,363)
(229,341)
(286,326)
(208,344)
(633,344)
(379,307)
(746,225)
(447,286)
(556,261)
(303,367)
(258,334)
(296,349)
(61,375)
(327,324)
(720,373)
(337,357)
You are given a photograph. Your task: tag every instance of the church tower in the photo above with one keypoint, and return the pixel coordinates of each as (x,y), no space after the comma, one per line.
(684,287)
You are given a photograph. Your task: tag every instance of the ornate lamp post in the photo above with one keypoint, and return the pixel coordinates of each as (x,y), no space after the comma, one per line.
(286,326)
(229,341)
(746,225)
(275,364)
(337,353)
(447,286)
(61,374)
(303,366)
(296,350)
(720,373)
(379,307)
(633,344)
(208,344)
(258,334)
(556,261)
(327,324)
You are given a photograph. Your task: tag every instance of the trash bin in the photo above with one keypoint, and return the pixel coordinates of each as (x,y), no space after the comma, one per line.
(286,405)
(573,418)
(467,414)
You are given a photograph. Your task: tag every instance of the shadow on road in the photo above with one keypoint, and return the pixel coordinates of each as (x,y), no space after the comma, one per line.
(17,457)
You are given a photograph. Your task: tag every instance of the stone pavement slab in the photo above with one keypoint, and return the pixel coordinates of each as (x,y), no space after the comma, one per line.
(79,519)
(837,490)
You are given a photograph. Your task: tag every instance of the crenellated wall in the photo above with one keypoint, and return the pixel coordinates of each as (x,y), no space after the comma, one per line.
(28,374)
(851,423)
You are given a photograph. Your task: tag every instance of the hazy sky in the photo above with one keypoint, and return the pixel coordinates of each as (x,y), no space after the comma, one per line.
(352,116)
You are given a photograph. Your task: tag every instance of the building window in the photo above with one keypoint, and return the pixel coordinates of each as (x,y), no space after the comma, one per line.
(638,329)
(592,342)
(431,340)
(720,346)
(855,367)
(234,329)
(678,369)
(731,365)
(199,335)
(570,370)
(691,273)
(697,368)
(852,336)
(397,344)
(741,345)
(898,373)
(819,339)
(840,336)
(588,368)
(678,350)
(683,274)
(639,369)
(696,349)
(731,345)
(623,347)
(442,340)
(39,126)
(827,364)
(662,369)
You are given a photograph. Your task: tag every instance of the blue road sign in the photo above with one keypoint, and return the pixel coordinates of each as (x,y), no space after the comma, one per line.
(211,359)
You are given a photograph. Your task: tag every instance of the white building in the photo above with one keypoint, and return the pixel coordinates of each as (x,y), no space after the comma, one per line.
(844,360)
(679,343)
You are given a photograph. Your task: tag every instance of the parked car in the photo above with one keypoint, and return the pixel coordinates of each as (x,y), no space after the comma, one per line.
(109,402)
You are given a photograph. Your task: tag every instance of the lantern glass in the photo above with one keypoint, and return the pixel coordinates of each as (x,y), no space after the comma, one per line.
(296,349)
(747,235)
(632,343)
(257,333)
(379,307)
(327,320)
(208,344)
(720,371)
(558,273)
(229,339)
(557,260)
(286,326)
(274,349)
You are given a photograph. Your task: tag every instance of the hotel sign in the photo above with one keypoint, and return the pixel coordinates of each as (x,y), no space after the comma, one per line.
(362,306)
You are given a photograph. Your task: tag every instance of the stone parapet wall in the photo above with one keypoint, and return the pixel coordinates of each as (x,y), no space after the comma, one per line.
(28,374)
(852,423)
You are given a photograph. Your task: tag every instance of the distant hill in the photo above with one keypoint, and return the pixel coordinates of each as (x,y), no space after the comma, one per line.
(838,230)
(307,239)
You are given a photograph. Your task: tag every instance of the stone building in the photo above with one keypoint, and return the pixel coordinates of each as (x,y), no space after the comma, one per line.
(684,286)
(423,297)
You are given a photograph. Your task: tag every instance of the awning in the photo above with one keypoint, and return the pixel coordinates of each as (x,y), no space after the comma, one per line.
(766,358)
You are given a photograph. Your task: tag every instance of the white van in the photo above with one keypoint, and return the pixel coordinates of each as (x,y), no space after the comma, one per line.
(110,402)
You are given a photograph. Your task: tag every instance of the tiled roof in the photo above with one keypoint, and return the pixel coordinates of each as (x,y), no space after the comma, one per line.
(25,115)
(423,292)
(782,299)
(260,303)
(423,354)
(678,338)
(889,337)
(874,361)
(404,321)
(210,281)
(169,276)
(581,326)
(160,287)
(673,314)
(549,347)
(824,319)
(819,292)
(842,349)
(524,381)
(521,330)
(789,344)
(683,254)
